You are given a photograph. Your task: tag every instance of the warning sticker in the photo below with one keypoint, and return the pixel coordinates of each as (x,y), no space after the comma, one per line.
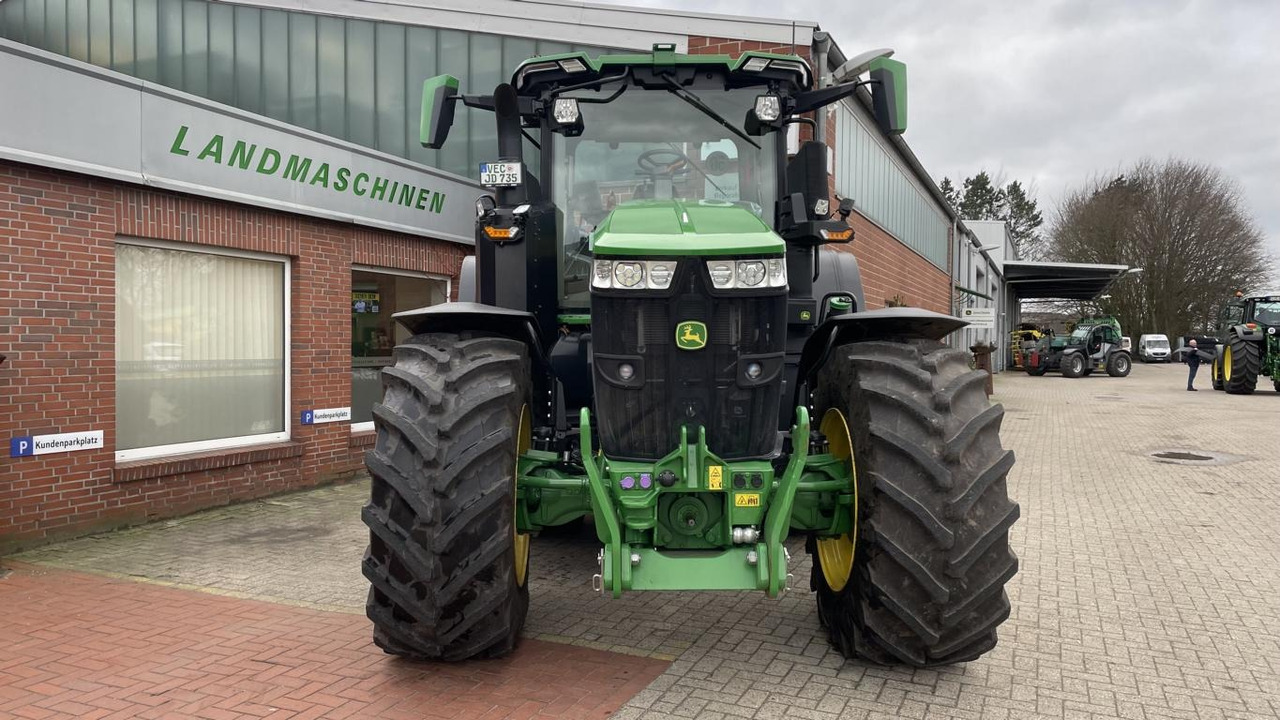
(747,500)
(715,477)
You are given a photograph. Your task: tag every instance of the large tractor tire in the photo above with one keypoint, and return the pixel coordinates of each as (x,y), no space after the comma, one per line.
(1074,365)
(1119,365)
(446,567)
(1215,373)
(920,580)
(1241,363)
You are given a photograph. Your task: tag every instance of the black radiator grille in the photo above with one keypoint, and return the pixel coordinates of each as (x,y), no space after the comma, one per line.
(640,418)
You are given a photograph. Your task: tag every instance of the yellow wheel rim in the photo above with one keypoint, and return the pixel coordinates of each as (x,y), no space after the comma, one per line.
(1214,369)
(523,438)
(1226,365)
(835,555)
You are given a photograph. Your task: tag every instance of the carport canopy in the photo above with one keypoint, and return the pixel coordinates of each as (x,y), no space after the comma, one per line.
(1060,280)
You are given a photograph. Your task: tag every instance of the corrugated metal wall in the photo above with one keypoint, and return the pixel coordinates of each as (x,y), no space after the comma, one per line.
(884,191)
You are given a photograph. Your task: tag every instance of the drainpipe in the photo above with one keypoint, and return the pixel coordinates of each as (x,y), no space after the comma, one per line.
(822,47)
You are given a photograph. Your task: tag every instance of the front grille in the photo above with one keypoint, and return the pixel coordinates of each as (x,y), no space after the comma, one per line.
(640,418)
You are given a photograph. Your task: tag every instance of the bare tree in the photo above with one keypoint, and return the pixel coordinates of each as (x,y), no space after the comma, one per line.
(1183,223)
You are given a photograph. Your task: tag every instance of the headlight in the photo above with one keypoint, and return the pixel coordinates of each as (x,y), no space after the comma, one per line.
(747,274)
(721,272)
(633,274)
(750,273)
(565,111)
(777,272)
(768,108)
(628,274)
(604,271)
(660,275)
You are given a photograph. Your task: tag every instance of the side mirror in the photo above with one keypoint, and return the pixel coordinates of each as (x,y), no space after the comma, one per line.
(889,94)
(438,96)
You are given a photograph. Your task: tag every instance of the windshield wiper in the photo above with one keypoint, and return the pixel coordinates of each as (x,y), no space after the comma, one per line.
(674,88)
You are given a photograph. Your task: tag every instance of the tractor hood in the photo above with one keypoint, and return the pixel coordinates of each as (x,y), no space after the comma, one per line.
(647,228)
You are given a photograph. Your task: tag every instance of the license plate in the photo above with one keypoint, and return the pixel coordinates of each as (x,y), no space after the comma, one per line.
(500,174)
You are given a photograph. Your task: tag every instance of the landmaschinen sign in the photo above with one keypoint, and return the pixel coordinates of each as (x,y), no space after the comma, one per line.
(73,116)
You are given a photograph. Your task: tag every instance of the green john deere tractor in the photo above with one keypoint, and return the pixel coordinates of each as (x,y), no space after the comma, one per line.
(652,333)
(1248,344)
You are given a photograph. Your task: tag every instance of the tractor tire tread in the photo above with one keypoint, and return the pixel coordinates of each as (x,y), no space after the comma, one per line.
(932,556)
(441,560)
(1246,365)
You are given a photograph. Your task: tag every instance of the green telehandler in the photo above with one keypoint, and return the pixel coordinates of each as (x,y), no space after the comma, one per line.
(653,333)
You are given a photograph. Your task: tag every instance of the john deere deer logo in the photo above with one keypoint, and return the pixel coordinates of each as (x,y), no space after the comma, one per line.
(691,335)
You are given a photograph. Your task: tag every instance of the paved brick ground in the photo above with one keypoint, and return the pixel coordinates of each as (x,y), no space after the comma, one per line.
(84,646)
(1147,590)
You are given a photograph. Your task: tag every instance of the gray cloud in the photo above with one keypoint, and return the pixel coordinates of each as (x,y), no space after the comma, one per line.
(1056,92)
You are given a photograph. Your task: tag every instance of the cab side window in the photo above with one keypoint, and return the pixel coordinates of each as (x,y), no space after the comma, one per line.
(1233,315)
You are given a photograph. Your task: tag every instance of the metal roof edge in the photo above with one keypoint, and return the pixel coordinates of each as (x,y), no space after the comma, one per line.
(1053,264)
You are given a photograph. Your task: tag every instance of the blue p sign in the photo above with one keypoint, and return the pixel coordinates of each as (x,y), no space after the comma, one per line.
(21,446)
(308,417)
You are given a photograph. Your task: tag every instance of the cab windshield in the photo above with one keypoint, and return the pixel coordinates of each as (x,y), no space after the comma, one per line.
(653,145)
(1267,313)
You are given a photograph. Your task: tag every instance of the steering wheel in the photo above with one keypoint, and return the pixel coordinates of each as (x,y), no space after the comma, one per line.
(650,162)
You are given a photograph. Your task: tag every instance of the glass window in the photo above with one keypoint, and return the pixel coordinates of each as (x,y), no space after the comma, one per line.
(1267,313)
(375,297)
(200,350)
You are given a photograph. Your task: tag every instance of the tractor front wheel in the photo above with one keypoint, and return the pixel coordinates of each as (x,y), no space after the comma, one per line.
(446,567)
(1215,372)
(920,580)
(1119,365)
(1074,365)
(1241,363)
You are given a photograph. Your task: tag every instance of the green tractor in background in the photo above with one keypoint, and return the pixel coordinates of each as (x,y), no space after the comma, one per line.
(654,334)
(1248,344)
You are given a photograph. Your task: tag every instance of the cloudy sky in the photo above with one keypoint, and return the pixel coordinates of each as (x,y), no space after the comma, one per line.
(1058,91)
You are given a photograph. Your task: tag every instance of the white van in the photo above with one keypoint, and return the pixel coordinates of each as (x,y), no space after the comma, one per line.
(1153,348)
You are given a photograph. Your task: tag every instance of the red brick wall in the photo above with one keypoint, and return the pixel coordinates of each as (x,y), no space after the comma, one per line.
(57,327)
(889,268)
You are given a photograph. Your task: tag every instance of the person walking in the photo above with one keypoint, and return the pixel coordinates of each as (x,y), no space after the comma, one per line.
(1192,359)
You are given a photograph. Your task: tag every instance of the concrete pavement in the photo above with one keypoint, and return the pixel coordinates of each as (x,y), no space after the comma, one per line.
(1148,588)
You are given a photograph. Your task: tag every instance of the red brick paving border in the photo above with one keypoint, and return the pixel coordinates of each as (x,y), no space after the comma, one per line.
(84,646)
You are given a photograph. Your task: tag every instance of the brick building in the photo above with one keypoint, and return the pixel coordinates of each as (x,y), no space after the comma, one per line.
(209,210)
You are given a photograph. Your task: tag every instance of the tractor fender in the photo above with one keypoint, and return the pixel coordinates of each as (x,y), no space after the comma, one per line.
(1245,333)
(462,316)
(889,323)
(838,274)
